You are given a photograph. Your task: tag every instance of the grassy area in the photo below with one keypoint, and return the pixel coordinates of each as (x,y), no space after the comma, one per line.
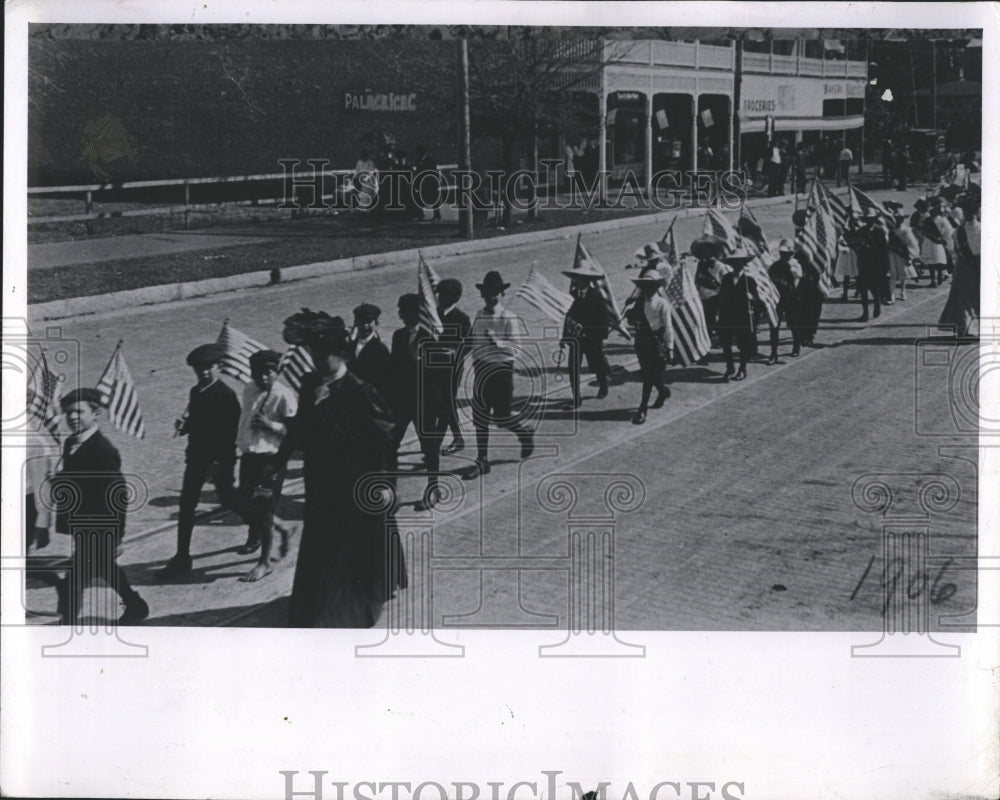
(295,242)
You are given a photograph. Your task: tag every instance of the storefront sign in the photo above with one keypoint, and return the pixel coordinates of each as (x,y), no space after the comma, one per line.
(386,101)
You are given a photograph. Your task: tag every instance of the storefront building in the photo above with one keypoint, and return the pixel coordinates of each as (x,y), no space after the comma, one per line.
(669,105)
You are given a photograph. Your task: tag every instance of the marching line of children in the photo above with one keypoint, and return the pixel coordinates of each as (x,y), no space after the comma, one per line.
(415,381)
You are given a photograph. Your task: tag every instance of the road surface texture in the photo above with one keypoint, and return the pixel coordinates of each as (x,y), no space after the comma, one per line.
(730,509)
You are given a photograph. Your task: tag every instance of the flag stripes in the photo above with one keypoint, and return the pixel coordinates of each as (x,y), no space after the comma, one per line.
(540,293)
(718,226)
(118,395)
(688,318)
(861,202)
(427,279)
(294,363)
(42,406)
(237,347)
(833,205)
(580,261)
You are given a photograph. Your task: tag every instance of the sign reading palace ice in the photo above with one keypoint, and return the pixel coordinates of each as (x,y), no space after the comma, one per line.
(379,101)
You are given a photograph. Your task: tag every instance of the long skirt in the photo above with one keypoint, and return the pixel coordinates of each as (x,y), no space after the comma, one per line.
(932,253)
(900,268)
(847,263)
(961,312)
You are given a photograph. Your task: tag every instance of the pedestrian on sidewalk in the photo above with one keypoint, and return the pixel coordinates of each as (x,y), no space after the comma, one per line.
(350,560)
(369,357)
(268,406)
(737,296)
(654,338)
(493,342)
(844,171)
(450,346)
(586,326)
(91,472)
(418,395)
(210,422)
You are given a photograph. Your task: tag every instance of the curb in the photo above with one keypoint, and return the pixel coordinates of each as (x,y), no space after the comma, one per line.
(167,293)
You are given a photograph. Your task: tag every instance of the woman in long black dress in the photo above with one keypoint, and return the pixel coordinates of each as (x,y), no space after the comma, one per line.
(350,561)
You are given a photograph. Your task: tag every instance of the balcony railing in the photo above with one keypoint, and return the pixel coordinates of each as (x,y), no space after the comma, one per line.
(656,53)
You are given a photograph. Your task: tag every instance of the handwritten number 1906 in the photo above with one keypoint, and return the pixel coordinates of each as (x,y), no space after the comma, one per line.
(892,581)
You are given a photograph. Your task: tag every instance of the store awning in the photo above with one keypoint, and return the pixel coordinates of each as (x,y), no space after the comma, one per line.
(786,124)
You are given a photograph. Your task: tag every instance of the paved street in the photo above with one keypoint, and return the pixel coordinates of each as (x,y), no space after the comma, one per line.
(731,508)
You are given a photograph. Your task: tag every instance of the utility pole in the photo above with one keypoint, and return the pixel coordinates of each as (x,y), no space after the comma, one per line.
(465,226)
(934,123)
(737,87)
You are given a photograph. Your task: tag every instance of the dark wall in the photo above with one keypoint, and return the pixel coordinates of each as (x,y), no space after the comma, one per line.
(206,108)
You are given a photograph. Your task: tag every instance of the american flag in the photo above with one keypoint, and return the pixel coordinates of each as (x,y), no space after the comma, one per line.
(427,279)
(690,331)
(860,202)
(819,240)
(42,406)
(119,396)
(540,293)
(580,261)
(432,275)
(833,205)
(238,348)
(295,362)
(749,228)
(718,226)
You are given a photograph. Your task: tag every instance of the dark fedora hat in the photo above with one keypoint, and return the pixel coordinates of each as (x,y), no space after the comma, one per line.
(206,354)
(493,281)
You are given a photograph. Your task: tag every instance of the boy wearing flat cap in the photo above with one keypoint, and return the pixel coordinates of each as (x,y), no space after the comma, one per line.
(92,465)
(268,406)
(210,422)
(492,341)
(450,344)
(369,357)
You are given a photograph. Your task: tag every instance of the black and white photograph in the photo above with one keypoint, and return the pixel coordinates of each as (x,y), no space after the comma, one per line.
(500,400)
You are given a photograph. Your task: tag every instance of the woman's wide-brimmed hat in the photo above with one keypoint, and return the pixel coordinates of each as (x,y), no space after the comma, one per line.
(738,258)
(705,247)
(317,329)
(650,252)
(586,272)
(649,277)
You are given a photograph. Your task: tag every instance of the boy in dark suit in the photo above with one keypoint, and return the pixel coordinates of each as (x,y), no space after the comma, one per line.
(450,344)
(419,395)
(369,357)
(92,467)
(210,423)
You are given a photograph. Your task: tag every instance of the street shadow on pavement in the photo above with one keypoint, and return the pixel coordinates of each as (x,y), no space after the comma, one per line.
(148,573)
(273,614)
